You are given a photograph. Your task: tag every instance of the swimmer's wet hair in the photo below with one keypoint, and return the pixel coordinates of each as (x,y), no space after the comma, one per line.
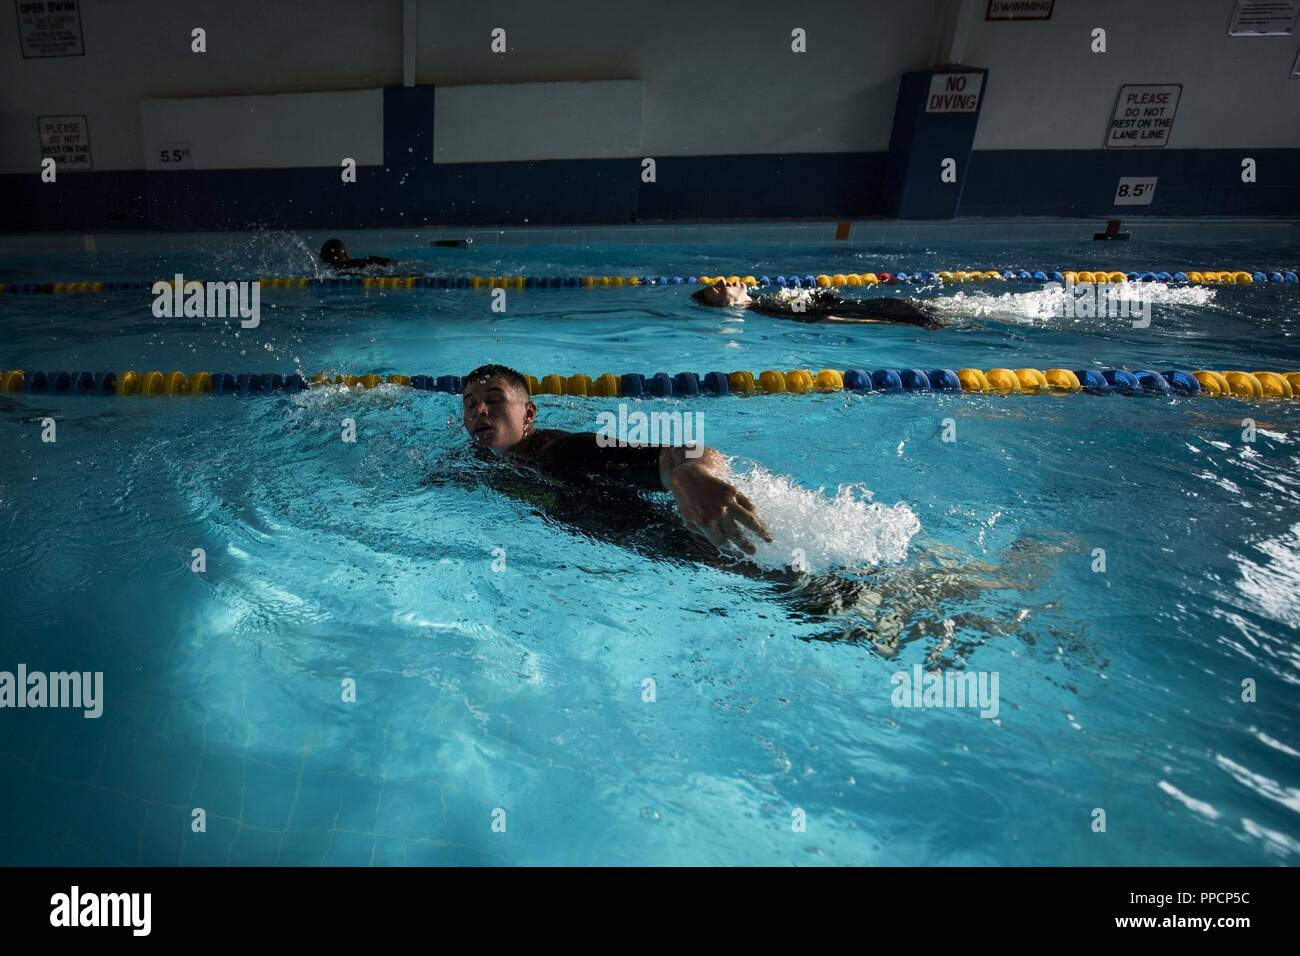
(485,372)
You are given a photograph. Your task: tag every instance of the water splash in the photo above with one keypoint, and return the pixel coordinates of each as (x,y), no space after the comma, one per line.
(1273,585)
(1049,306)
(847,531)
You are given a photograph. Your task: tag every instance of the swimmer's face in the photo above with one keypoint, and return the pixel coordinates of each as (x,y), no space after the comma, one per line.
(497,413)
(334,253)
(725,293)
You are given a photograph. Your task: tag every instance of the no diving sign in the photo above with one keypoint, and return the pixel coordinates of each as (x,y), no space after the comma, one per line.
(954,93)
(1144,116)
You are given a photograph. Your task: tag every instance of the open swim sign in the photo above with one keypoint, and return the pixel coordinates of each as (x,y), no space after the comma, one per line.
(954,93)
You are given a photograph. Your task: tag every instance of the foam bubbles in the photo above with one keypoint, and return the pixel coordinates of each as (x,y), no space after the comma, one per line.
(1048,305)
(847,531)
(1273,585)
(334,396)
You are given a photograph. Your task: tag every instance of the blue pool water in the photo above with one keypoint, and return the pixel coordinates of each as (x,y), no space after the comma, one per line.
(524,689)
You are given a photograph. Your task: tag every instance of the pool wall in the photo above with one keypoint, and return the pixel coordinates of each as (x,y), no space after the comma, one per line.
(1240,236)
(556,127)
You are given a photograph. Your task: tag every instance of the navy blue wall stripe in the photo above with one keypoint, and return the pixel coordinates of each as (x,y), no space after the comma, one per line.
(76,203)
(793,185)
(1193,182)
(812,185)
(408,125)
(912,187)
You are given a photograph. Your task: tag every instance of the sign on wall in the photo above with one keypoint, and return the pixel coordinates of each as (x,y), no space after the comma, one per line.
(67,140)
(175,155)
(1144,116)
(1135,190)
(954,93)
(49,27)
(1019,10)
(1263,18)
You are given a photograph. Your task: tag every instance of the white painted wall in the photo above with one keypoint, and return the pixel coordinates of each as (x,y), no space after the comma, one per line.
(1048,90)
(274,132)
(718,76)
(500,122)
(137,50)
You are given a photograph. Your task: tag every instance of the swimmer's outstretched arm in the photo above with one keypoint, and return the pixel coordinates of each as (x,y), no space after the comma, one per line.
(707,501)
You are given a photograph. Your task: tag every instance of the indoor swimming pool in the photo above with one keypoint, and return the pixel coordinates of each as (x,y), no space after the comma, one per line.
(549,675)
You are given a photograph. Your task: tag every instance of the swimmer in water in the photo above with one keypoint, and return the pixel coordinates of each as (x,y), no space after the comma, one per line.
(818,305)
(501,418)
(335,255)
(568,480)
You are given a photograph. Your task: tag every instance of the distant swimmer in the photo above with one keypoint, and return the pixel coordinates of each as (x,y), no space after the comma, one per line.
(335,254)
(501,418)
(818,305)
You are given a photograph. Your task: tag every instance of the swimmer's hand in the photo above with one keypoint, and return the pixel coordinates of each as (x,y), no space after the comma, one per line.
(707,502)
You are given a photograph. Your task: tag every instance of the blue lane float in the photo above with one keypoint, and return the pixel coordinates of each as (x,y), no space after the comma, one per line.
(780,280)
(1121,381)
(1182,383)
(857,380)
(914,380)
(886,380)
(944,380)
(1153,382)
(686,385)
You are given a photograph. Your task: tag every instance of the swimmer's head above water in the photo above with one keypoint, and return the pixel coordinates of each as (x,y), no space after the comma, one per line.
(723,293)
(334,252)
(499,416)
(497,412)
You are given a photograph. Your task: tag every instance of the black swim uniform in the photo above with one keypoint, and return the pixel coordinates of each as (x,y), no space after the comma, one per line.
(569,480)
(577,454)
(822,304)
(553,477)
